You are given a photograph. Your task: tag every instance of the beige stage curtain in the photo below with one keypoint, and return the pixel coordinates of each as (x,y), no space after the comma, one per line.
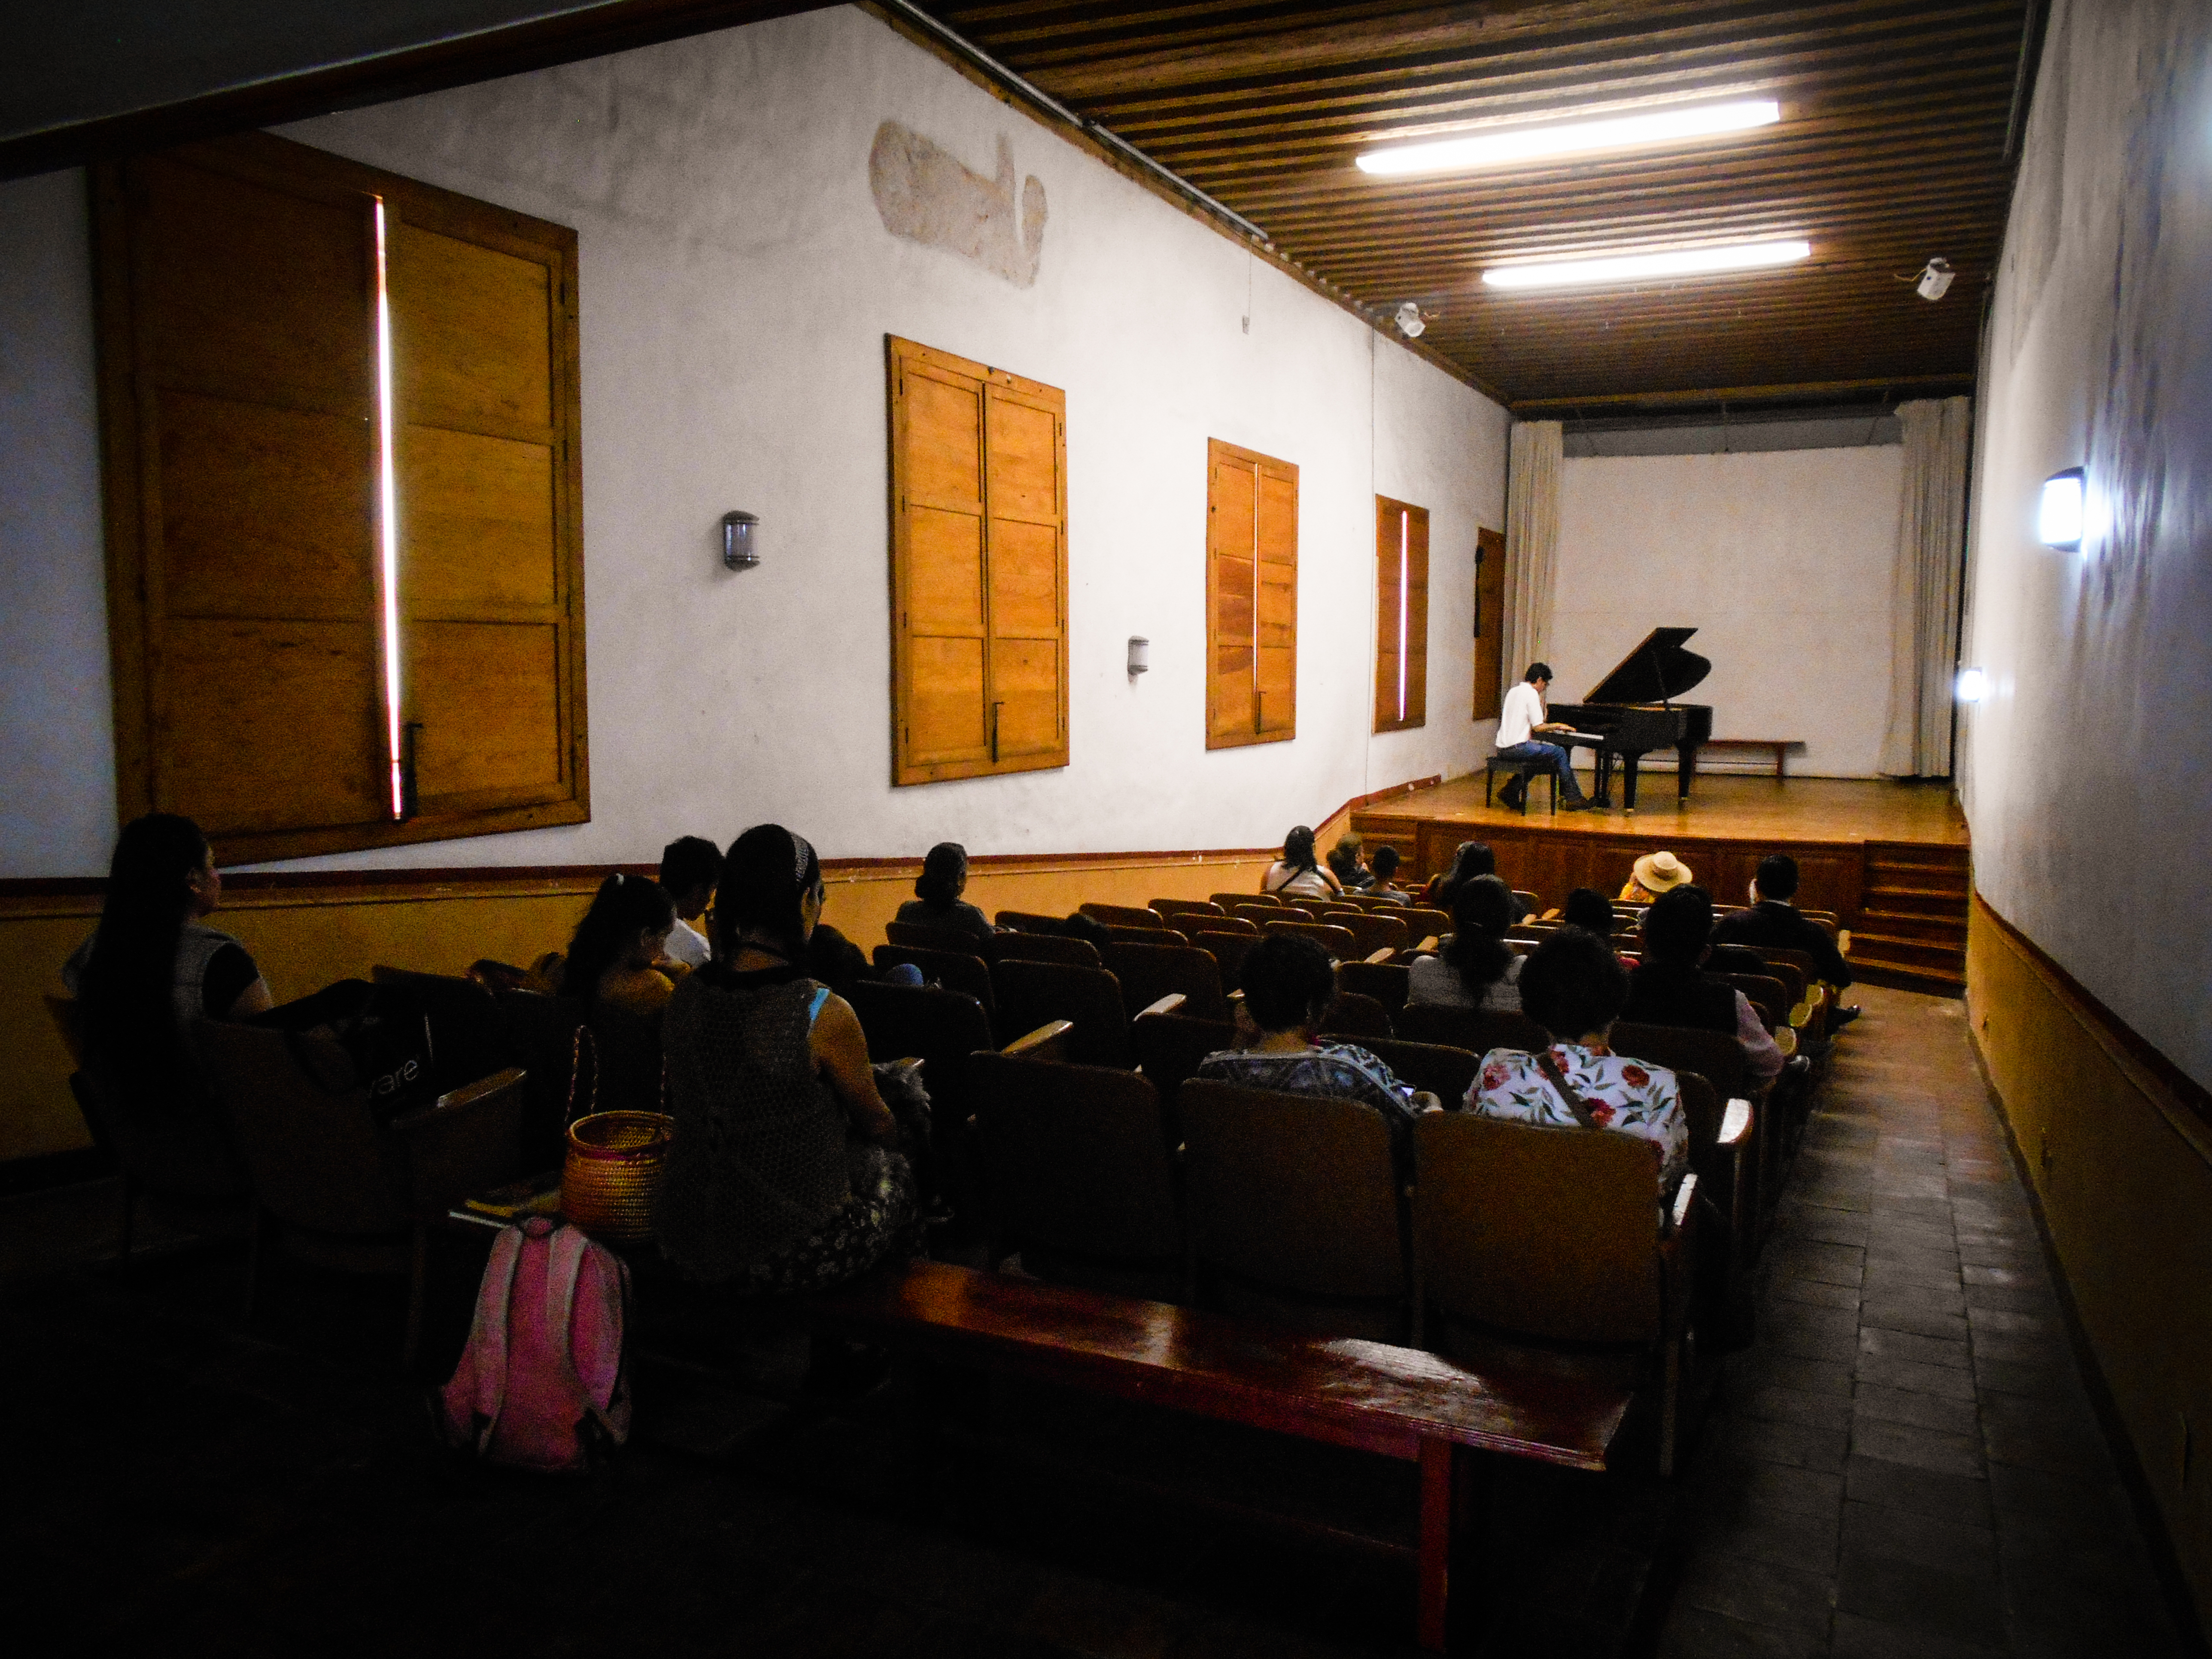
(1532,542)
(1923,612)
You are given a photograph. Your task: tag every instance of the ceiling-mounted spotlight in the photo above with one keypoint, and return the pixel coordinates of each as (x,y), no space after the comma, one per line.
(1934,280)
(1409,321)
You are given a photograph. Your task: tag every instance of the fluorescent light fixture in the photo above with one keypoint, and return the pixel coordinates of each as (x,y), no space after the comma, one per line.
(1512,146)
(1634,267)
(2058,520)
(1974,685)
(388,523)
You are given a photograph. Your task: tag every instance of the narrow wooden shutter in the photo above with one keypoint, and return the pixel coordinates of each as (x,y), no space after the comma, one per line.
(237,367)
(1251,598)
(1401,603)
(978,568)
(486,489)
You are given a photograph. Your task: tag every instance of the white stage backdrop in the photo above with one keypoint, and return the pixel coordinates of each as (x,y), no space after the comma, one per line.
(1780,560)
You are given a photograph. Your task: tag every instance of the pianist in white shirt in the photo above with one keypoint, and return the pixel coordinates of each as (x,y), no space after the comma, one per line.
(1523,719)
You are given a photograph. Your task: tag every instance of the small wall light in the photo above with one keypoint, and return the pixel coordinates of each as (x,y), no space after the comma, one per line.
(740,542)
(2058,520)
(1974,685)
(1140,655)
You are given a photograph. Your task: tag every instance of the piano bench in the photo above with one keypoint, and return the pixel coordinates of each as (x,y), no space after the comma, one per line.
(1527,771)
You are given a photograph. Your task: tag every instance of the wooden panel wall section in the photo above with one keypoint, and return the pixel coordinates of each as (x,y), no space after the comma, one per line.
(236,286)
(978,569)
(1489,624)
(1401,605)
(1251,598)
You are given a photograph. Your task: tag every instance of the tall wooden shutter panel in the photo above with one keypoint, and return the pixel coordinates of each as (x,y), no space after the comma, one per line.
(1251,598)
(1401,539)
(979,569)
(246,362)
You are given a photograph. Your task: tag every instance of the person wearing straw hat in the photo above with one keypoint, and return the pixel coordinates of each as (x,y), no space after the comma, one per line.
(1653,874)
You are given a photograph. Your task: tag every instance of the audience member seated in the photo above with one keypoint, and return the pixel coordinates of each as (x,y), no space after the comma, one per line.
(1475,970)
(784,1174)
(150,971)
(1574,987)
(689,867)
(1077,925)
(1653,874)
(1590,910)
(1473,859)
(1670,987)
(1345,861)
(937,902)
(1385,885)
(619,955)
(1289,982)
(1297,874)
(1774,920)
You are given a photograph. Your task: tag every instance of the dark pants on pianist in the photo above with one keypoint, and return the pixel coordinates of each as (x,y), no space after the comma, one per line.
(1554,757)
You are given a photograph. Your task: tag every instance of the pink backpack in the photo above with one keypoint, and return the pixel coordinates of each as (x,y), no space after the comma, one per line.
(541,1384)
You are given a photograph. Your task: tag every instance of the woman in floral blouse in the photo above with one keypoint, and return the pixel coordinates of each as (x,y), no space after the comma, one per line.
(1574,987)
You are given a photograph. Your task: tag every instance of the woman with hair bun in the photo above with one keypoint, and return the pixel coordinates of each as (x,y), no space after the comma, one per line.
(1299,874)
(1476,969)
(783,1175)
(937,902)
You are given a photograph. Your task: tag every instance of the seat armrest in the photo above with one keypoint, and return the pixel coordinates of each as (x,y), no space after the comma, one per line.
(1046,1042)
(1735,1123)
(469,1096)
(1166,1005)
(1801,1015)
(1382,955)
(1685,1197)
(1427,945)
(1786,1039)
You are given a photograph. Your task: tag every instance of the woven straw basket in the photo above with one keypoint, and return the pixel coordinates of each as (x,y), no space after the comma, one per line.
(611,1181)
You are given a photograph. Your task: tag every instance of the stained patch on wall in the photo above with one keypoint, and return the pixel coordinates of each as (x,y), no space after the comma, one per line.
(927,194)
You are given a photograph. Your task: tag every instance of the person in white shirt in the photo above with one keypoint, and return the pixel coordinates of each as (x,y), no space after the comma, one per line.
(1524,716)
(689,867)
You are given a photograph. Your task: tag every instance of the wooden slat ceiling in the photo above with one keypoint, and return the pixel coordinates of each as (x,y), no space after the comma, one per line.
(1892,149)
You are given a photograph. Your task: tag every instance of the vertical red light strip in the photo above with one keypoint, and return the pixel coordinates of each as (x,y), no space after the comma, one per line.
(388,499)
(1405,601)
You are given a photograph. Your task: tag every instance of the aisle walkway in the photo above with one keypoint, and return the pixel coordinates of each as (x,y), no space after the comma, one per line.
(1908,1463)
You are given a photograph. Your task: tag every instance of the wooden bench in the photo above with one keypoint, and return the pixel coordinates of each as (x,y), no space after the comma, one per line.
(1778,747)
(1404,1403)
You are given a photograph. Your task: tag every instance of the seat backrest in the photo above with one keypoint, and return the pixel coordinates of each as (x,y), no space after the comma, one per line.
(1168,909)
(939,1027)
(1715,1055)
(539,1032)
(1702,1107)
(1294,1207)
(1530,902)
(1260,914)
(955,971)
(1229,902)
(1445,1071)
(319,1161)
(1077,1159)
(1032,994)
(1027,921)
(1337,941)
(1478,1030)
(466,1033)
(468,1142)
(1149,972)
(1370,931)
(1768,996)
(1039,947)
(1538,1231)
(1352,1015)
(1169,1047)
(1800,960)
(173,1146)
(1422,924)
(1192,926)
(1227,949)
(61,1011)
(1144,935)
(1388,982)
(1120,916)
(927,936)
(1792,977)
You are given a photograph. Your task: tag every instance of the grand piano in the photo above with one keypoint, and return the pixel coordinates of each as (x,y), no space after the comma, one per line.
(1632,711)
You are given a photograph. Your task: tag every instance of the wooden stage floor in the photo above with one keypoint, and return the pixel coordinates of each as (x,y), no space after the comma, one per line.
(1720,808)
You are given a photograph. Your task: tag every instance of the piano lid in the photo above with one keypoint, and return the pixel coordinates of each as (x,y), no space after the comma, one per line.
(1657,670)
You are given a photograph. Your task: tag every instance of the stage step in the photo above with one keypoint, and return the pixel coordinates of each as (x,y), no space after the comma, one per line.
(1922,925)
(1915,900)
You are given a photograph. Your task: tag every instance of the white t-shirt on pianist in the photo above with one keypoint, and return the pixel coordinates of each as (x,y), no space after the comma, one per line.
(1523,713)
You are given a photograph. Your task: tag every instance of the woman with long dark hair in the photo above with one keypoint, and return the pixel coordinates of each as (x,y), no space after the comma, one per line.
(1298,873)
(936,902)
(1476,969)
(1472,858)
(151,971)
(783,1175)
(619,954)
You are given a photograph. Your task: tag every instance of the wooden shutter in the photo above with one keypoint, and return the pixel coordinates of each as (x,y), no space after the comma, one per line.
(237,285)
(1489,624)
(978,568)
(1401,611)
(1251,598)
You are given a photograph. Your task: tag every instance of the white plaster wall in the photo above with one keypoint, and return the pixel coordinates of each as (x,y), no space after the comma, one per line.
(737,284)
(2087,774)
(1780,560)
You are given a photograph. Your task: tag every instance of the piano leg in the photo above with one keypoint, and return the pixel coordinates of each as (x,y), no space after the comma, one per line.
(1628,765)
(1688,769)
(1602,777)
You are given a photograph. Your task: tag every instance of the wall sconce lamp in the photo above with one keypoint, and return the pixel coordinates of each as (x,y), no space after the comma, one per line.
(740,540)
(1974,684)
(1140,655)
(2058,519)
